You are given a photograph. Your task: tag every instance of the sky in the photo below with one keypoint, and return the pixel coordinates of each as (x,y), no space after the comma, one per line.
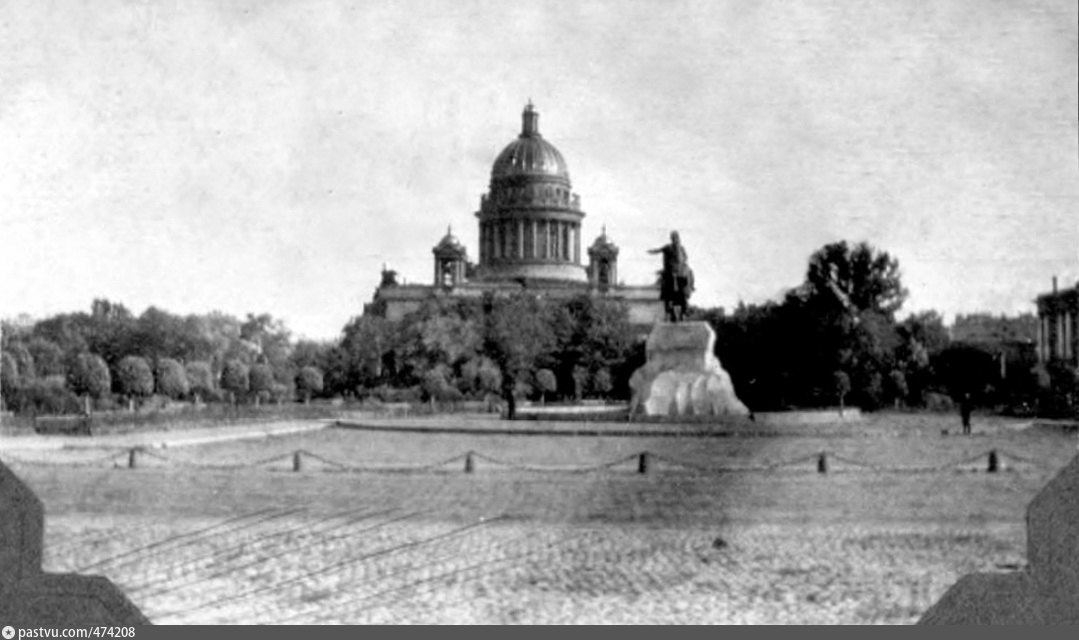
(271,156)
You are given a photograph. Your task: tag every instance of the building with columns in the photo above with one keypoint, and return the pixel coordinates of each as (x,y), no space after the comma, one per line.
(530,230)
(1058,325)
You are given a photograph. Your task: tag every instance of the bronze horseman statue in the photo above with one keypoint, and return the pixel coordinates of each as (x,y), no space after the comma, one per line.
(676,279)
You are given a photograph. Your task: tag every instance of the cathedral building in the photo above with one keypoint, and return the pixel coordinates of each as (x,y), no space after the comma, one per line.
(530,230)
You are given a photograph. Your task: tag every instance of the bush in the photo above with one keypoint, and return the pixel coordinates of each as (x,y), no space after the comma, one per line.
(436,385)
(309,382)
(235,379)
(938,402)
(134,378)
(200,380)
(260,381)
(47,396)
(89,375)
(171,379)
(281,393)
(385,393)
(601,382)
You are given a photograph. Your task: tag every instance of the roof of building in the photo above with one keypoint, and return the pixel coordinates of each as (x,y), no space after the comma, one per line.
(449,244)
(530,154)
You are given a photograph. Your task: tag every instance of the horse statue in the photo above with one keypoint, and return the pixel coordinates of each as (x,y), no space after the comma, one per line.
(676,279)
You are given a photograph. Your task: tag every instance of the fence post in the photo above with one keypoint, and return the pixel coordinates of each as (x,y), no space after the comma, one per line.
(297,461)
(822,462)
(131,455)
(469,465)
(994,462)
(642,462)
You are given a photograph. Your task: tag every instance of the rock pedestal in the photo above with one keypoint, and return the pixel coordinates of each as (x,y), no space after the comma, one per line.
(32,598)
(682,376)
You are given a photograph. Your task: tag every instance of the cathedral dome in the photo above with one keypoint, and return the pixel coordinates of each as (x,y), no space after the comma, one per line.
(529,154)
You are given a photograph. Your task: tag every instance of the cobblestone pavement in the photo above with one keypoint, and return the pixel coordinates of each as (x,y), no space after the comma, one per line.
(263,544)
(265,547)
(396,568)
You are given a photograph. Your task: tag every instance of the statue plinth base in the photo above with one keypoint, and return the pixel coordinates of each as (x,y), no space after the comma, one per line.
(682,376)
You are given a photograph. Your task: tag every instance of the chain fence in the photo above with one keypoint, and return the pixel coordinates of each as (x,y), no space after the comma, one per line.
(990,460)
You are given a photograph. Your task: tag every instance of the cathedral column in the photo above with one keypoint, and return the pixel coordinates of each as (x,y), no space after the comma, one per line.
(520,239)
(576,243)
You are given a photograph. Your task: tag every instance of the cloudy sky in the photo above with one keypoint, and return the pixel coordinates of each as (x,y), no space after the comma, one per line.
(271,156)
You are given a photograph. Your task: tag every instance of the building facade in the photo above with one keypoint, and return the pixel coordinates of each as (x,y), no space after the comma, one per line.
(530,230)
(1058,326)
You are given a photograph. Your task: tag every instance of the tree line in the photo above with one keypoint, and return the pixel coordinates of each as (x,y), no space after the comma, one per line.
(833,339)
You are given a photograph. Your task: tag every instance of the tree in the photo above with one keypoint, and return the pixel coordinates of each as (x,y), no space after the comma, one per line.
(602,383)
(516,332)
(900,390)
(589,333)
(200,379)
(270,338)
(545,383)
(67,331)
(921,338)
(172,379)
(842,388)
(9,378)
(310,353)
(260,381)
(480,375)
(439,333)
(358,360)
(134,379)
(110,331)
(857,278)
(24,362)
(234,379)
(309,382)
(436,386)
(89,376)
(48,357)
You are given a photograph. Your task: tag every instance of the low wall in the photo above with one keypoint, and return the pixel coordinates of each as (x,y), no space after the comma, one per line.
(810,416)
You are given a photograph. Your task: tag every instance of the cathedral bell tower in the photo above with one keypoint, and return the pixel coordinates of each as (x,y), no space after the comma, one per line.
(603,264)
(451,261)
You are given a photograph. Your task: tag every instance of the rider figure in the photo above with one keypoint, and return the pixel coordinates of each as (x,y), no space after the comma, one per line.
(676,279)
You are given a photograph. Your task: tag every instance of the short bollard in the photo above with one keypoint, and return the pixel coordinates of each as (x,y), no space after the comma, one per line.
(642,462)
(469,465)
(297,462)
(994,462)
(822,462)
(131,458)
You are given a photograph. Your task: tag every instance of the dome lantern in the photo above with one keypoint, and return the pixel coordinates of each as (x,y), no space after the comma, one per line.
(529,122)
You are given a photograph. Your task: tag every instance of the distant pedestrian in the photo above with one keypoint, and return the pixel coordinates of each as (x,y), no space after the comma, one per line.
(965,409)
